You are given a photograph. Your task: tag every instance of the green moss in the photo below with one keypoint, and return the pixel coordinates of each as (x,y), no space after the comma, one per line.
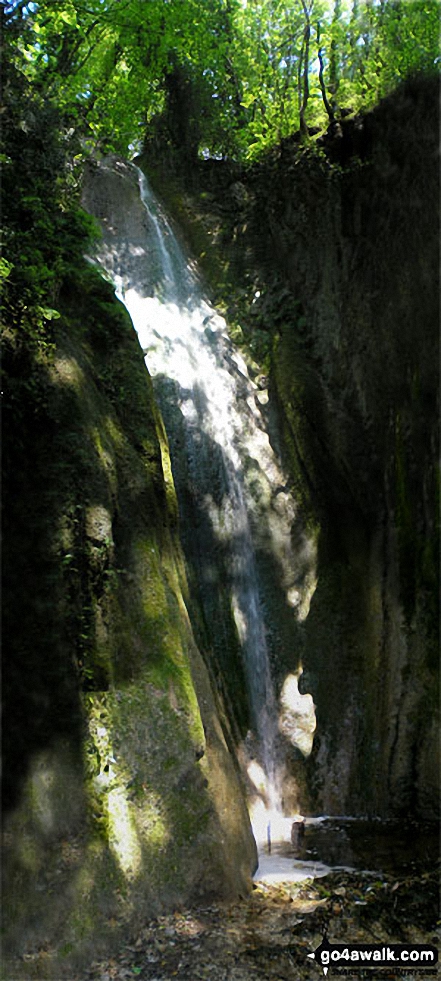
(104,585)
(135,785)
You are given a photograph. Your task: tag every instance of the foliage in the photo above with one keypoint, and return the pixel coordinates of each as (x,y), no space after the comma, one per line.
(44,232)
(314,58)
(109,63)
(224,77)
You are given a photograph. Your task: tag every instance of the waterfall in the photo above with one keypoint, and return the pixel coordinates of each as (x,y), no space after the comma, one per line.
(228,480)
(211,380)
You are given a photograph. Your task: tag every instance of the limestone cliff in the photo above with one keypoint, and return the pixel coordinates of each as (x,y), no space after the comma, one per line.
(121,796)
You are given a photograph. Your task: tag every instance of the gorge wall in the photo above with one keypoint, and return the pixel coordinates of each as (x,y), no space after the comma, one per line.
(328,259)
(120,795)
(355,374)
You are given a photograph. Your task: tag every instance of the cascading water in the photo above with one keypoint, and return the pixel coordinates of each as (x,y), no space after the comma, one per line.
(224,468)
(196,354)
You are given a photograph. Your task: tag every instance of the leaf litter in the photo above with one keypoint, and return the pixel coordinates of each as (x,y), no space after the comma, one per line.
(268,935)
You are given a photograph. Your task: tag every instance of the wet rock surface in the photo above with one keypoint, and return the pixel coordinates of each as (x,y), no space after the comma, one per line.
(395,847)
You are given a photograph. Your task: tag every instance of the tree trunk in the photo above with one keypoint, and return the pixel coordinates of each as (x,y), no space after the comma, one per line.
(304,71)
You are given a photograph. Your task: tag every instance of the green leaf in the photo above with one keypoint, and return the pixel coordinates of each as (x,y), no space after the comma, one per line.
(48,314)
(69,17)
(5,268)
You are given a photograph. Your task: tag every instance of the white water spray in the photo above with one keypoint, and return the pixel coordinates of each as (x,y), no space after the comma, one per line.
(199,359)
(191,358)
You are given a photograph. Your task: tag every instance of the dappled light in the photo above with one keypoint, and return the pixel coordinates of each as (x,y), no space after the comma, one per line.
(123,839)
(297,721)
(67,371)
(110,787)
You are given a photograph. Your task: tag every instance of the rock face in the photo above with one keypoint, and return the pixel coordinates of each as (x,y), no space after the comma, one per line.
(121,796)
(355,375)
(333,260)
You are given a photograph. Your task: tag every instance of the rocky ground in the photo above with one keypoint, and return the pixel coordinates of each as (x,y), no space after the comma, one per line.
(268,936)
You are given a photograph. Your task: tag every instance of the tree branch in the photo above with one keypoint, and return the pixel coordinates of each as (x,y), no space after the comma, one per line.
(321,78)
(304,63)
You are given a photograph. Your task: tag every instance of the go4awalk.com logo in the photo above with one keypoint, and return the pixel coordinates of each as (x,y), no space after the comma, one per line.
(356,956)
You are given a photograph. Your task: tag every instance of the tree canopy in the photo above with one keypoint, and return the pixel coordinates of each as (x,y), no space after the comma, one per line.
(227,77)
(219,78)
